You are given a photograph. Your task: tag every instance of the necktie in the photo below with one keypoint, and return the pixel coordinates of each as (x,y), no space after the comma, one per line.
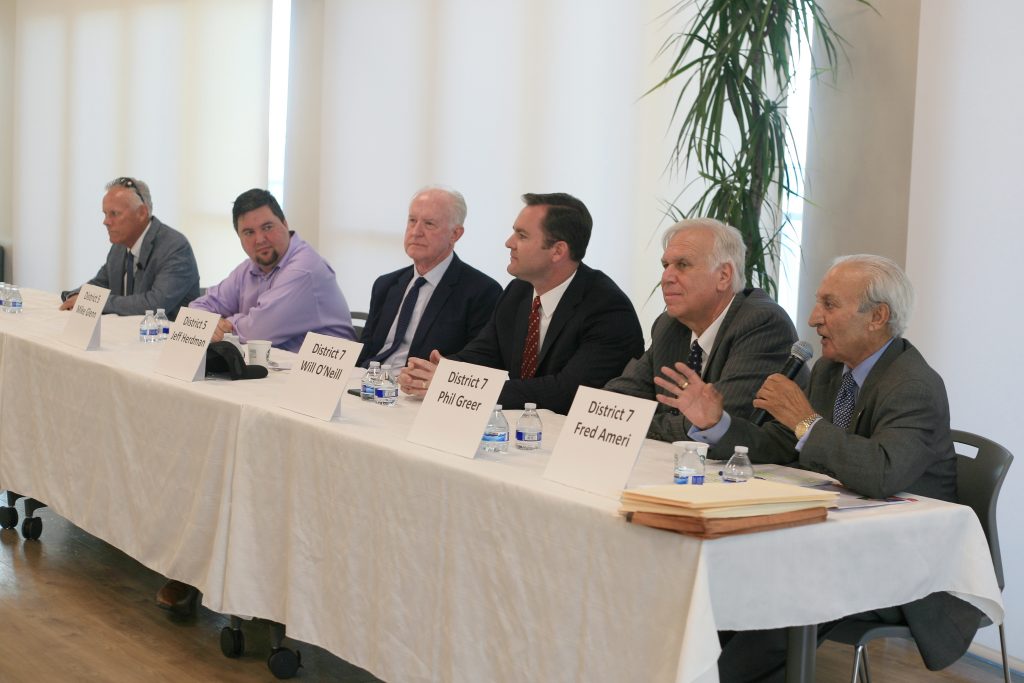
(529,366)
(696,355)
(129,273)
(842,413)
(404,316)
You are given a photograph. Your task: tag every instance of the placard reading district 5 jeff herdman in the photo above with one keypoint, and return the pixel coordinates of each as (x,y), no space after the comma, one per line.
(184,354)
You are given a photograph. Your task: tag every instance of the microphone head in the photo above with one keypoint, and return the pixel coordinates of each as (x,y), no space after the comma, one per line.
(802,350)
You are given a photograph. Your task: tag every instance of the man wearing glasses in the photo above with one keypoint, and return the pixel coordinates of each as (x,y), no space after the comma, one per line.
(150,265)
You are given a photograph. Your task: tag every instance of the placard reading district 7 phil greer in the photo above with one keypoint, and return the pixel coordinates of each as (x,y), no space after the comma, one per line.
(184,352)
(600,441)
(319,374)
(455,410)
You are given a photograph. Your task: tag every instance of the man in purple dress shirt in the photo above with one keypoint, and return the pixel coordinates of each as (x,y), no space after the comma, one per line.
(284,290)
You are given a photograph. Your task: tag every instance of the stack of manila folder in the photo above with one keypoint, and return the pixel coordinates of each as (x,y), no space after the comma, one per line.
(721,509)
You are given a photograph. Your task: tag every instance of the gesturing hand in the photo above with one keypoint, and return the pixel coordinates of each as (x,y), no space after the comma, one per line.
(700,403)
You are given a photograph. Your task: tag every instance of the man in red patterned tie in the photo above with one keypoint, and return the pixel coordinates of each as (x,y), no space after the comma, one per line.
(560,324)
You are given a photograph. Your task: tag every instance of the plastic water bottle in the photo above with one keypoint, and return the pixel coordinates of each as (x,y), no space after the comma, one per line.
(13,300)
(163,325)
(371,378)
(3,297)
(528,429)
(386,391)
(495,438)
(689,463)
(147,328)
(738,469)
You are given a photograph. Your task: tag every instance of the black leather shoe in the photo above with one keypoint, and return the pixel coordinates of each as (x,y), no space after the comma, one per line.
(178,598)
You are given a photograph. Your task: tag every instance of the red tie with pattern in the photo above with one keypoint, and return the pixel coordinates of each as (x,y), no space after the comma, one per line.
(529,367)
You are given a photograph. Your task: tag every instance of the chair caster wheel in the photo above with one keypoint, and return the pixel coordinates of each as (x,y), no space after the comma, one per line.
(31,528)
(284,663)
(232,642)
(8,517)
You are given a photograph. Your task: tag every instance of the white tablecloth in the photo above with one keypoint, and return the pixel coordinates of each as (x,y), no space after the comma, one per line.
(416,564)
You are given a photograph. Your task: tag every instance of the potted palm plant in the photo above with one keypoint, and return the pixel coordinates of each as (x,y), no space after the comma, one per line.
(736,60)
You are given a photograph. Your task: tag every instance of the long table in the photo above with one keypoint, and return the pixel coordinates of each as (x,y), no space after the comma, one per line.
(413,563)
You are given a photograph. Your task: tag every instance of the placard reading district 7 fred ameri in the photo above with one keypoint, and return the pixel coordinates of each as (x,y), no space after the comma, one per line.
(600,441)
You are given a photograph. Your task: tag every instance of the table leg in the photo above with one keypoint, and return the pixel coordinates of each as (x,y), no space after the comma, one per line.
(803,644)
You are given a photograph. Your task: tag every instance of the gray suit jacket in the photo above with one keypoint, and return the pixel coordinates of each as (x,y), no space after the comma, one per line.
(754,341)
(167,275)
(898,440)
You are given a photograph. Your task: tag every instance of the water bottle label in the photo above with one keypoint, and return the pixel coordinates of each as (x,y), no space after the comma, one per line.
(166,330)
(697,479)
(503,436)
(527,436)
(15,304)
(366,391)
(389,392)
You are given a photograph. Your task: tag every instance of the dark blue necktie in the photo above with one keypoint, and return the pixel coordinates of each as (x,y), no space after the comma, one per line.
(404,316)
(696,356)
(129,273)
(842,413)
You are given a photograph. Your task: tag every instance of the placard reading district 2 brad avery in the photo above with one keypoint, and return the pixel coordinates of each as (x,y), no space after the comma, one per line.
(455,410)
(319,375)
(600,441)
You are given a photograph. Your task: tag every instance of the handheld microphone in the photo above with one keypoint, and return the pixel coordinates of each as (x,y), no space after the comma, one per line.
(800,353)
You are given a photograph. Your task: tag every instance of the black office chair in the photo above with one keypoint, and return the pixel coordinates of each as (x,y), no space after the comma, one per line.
(360,316)
(979,480)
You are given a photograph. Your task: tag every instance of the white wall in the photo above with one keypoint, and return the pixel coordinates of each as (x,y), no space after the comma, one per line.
(7,21)
(966,238)
(859,143)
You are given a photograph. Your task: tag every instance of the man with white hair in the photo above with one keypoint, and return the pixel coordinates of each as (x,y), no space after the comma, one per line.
(150,265)
(731,336)
(875,417)
(439,302)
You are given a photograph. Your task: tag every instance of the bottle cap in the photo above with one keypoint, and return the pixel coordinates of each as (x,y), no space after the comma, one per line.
(531,406)
(741,449)
(497,407)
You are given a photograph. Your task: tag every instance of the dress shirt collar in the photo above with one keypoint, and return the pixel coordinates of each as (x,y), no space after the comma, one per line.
(434,275)
(861,372)
(137,247)
(549,299)
(706,341)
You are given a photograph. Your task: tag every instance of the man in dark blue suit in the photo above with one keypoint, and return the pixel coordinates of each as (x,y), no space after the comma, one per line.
(559,325)
(444,305)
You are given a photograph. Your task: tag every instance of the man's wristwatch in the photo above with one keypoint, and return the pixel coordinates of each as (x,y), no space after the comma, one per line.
(803,425)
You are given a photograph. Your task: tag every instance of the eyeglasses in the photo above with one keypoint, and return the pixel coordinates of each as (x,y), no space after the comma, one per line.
(129,182)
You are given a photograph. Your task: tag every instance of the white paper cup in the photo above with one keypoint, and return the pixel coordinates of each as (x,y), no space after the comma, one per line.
(259,352)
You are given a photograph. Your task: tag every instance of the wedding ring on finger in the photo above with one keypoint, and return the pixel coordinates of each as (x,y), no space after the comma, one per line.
(685,384)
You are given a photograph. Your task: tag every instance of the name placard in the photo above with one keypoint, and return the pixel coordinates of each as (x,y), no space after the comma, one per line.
(184,353)
(83,327)
(455,410)
(319,375)
(600,441)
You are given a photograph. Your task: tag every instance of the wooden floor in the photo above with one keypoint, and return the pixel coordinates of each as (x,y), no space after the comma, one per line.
(73,608)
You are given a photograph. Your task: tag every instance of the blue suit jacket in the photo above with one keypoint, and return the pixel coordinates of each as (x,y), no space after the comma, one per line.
(593,333)
(459,307)
(167,276)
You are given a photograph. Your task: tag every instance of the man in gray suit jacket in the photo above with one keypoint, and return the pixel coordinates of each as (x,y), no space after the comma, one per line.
(149,265)
(875,417)
(736,336)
